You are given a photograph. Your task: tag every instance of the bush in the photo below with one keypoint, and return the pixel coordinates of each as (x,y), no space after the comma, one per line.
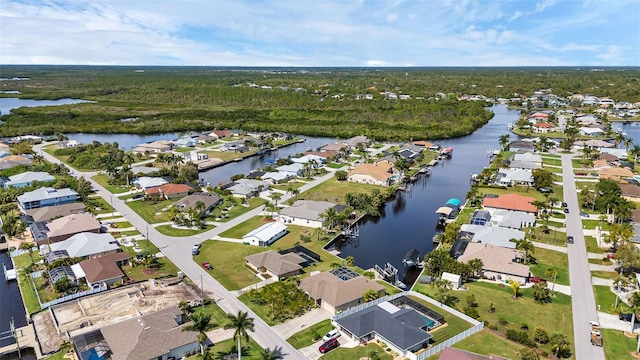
(520,337)
(540,335)
(471,312)
(502,320)
(524,327)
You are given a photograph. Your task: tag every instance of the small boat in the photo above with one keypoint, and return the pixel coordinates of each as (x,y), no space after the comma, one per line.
(412,258)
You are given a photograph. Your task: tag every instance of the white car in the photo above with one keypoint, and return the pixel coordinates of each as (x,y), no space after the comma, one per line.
(333,334)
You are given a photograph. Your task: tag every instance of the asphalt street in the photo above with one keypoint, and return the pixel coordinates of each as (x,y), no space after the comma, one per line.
(582,298)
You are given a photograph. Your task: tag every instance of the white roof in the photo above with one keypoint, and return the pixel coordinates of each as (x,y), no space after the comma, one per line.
(388,307)
(294,168)
(515,175)
(86,244)
(308,158)
(527,157)
(77,271)
(146,182)
(29,176)
(45,193)
(512,219)
(590,130)
(266,231)
(277,176)
(498,236)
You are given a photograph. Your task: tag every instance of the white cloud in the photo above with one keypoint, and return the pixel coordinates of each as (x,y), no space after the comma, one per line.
(542,5)
(515,15)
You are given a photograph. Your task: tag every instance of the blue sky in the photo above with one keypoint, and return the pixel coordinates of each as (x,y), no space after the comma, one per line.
(321,32)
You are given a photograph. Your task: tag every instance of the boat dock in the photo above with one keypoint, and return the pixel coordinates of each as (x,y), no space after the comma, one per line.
(9,274)
(25,337)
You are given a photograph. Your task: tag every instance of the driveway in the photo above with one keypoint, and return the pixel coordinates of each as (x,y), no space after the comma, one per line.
(582,300)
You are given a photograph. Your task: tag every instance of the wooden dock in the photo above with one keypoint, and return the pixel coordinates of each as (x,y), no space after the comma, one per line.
(25,338)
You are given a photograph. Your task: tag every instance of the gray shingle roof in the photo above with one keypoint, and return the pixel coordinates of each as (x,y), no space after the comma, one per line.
(86,244)
(307,209)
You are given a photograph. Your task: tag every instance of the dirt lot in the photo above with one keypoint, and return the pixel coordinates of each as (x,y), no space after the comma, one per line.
(107,308)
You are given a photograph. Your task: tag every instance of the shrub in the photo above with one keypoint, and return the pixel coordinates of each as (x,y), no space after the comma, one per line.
(471,312)
(524,327)
(502,320)
(520,337)
(540,335)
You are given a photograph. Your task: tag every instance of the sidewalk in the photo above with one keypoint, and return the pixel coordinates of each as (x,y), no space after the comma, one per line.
(290,327)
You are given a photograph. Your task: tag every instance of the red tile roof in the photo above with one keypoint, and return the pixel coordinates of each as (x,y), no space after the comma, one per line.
(542,125)
(511,202)
(169,189)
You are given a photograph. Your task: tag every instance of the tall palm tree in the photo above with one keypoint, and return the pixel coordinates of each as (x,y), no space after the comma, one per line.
(552,273)
(504,141)
(268,354)
(201,323)
(29,247)
(276,196)
(526,246)
(241,323)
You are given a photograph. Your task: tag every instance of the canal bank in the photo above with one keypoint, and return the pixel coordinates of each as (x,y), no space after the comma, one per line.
(11,306)
(409,221)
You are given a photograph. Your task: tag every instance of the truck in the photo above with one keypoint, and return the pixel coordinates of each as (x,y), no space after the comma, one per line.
(596,335)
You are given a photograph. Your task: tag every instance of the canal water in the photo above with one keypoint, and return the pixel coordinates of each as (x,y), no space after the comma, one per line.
(7,104)
(10,301)
(409,221)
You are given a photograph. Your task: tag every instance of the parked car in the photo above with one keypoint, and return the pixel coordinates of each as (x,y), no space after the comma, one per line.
(545,190)
(328,346)
(333,334)
(627,317)
(564,204)
(207,266)
(566,210)
(195,250)
(584,214)
(611,256)
(569,239)
(537,279)
(137,196)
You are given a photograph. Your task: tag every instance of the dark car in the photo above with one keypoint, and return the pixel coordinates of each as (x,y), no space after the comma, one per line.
(566,210)
(545,190)
(137,196)
(328,346)
(584,214)
(564,204)
(207,266)
(569,239)
(627,317)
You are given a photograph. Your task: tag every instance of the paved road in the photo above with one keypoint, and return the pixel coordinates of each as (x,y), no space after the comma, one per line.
(583,301)
(178,250)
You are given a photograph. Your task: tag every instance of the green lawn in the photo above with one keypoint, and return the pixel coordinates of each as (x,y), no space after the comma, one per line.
(250,351)
(520,191)
(388,288)
(334,165)
(218,316)
(103,180)
(57,356)
(238,231)
(554,237)
(593,224)
(357,352)
(172,231)
(224,155)
(555,316)
(290,185)
(240,209)
(334,190)
(24,260)
(310,335)
(616,345)
(551,259)
(592,245)
(606,299)
(28,293)
(487,342)
(164,267)
(151,211)
(605,274)
(98,205)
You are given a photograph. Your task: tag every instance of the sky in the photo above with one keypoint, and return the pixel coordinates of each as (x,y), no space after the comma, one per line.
(309,33)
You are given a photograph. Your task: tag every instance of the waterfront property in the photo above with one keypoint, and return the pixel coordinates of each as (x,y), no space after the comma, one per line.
(307,212)
(169,191)
(380,173)
(209,200)
(266,234)
(339,289)
(51,212)
(10,161)
(498,263)
(493,235)
(273,264)
(513,202)
(83,245)
(63,228)
(154,147)
(146,182)
(25,179)
(46,196)
(247,188)
(104,269)
(158,335)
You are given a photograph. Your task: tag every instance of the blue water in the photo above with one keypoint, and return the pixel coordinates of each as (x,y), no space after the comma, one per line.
(10,302)
(8,104)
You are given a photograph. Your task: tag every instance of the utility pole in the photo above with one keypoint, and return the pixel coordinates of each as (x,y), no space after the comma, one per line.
(201,289)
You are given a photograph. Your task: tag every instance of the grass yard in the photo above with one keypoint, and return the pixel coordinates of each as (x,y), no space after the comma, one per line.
(250,351)
(290,185)
(169,230)
(334,191)
(24,260)
(555,316)
(606,299)
(605,274)
(388,288)
(593,224)
(551,259)
(103,180)
(358,352)
(29,297)
(592,245)
(218,316)
(262,311)
(554,237)
(164,267)
(146,246)
(310,335)
(151,211)
(224,155)
(487,342)
(531,192)
(616,345)
(97,205)
(240,209)
(238,231)
(334,165)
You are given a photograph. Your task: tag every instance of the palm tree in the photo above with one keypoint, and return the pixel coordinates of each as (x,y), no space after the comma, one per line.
(559,342)
(200,322)
(634,152)
(370,295)
(268,354)
(241,323)
(515,288)
(276,196)
(504,141)
(443,287)
(29,247)
(634,301)
(552,273)
(200,206)
(476,266)
(526,246)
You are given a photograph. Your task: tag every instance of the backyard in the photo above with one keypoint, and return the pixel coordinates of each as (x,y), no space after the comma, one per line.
(487,342)
(546,259)
(334,191)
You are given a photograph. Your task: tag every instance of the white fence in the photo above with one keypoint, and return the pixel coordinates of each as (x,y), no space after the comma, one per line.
(91,291)
(437,348)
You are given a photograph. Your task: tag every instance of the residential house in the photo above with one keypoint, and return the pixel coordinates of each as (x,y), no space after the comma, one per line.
(523,165)
(543,128)
(194,156)
(65,227)
(528,157)
(635,222)
(615,173)
(155,147)
(278,177)
(335,147)
(87,245)
(275,264)
(104,269)
(493,235)
(513,202)
(423,144)
(234,146)
(46,196)
(356,141)
(380,173)
(609,158)
(210,200)
(335,294)
(205,139)
(591,131)
(26,178)
(247,187)
(306,213)
(498,263)
(404,330)
(156,336)
(296,169)
(185,142)
(511,177)
(266,234)
(620,153)
(10,161)
(50,212)
(146,182)
(169,191)
(630,192)
(221,134)
(596,144)
(521,145)
(64,144)
(315,160)
(512,219)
